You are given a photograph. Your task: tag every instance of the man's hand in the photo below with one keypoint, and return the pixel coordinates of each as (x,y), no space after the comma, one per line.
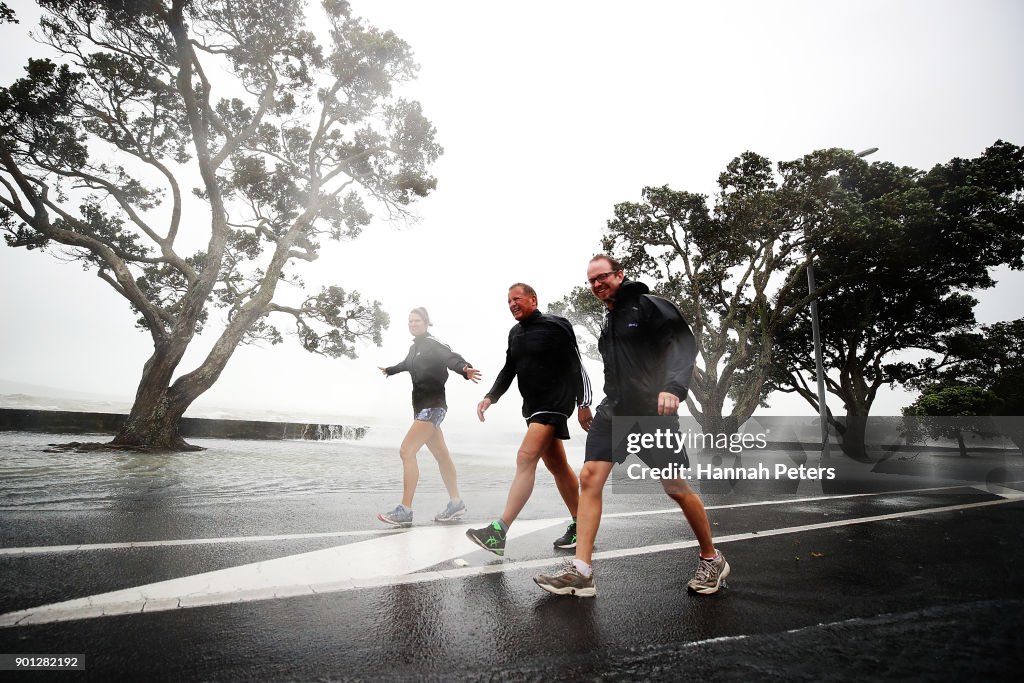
(668,404)
(586,417)
(481,407)
(384,371)
(474,375)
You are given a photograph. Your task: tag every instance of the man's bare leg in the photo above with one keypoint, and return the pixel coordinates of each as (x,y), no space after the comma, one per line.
(565,479)
(693,509)
(537,441)
(592,479)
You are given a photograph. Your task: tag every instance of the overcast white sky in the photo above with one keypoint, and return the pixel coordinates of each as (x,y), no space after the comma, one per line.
(550,113)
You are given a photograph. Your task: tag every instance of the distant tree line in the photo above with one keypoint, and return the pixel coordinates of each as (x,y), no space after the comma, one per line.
(897,253)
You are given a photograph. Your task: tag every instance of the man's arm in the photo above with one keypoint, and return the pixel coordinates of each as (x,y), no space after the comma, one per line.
(504,379)
(681,347)
(580,379)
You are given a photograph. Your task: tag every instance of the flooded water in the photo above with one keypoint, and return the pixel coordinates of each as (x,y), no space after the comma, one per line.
(230,470)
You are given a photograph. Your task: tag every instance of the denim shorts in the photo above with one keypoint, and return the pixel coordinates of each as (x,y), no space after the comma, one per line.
(432,415)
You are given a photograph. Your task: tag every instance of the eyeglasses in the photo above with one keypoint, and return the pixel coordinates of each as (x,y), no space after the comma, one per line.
(601,278)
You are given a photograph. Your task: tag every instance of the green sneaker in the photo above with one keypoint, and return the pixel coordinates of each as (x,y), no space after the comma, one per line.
(489,538)
(567,540)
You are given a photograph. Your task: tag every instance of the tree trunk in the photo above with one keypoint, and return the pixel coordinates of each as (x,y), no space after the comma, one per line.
(154,417)
(854,437)
(712,421)
(961,444)
(153,424)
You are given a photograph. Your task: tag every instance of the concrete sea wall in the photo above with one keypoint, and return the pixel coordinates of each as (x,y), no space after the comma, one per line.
(71,422)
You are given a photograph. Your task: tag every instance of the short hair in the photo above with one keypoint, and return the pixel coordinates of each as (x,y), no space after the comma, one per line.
(525,287)
(422,312)
(615,265)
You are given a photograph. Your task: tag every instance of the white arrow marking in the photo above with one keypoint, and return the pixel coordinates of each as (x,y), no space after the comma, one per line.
(331,569)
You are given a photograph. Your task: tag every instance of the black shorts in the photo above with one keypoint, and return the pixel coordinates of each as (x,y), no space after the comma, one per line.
(556,420)
(601,446)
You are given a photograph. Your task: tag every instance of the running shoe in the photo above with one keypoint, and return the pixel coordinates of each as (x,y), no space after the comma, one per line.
(710,575)
(489,538)
(567,540)
(454,510)
(568,581)
(400,516)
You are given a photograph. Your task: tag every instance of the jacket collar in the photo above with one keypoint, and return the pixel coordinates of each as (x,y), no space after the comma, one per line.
(530,319)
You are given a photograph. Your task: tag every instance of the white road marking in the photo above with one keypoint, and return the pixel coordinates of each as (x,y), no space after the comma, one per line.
(42,549)
(377,563)
(38,550)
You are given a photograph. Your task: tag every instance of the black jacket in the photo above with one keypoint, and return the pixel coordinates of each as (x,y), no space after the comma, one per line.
(542,353)
(428,362)
(647,348)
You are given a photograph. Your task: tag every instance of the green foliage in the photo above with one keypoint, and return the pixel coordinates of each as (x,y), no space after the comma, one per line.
(347,316)
(734,267)
(958,400)
(950,410)
(584,310)
(898,276)
(7,14)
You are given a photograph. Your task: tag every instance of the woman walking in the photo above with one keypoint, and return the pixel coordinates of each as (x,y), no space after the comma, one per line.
(428,363)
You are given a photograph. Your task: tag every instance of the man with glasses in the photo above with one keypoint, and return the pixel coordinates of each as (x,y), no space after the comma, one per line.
(648,352)
(542,353)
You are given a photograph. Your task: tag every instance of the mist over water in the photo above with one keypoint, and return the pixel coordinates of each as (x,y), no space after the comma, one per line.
(233,470)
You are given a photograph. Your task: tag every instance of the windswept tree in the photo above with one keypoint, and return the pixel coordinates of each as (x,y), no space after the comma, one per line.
(899,280)
(736,268)
(194,153)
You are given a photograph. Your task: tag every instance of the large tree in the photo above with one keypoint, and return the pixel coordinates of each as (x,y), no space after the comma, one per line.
(898,279)
(194,153)
(735,267)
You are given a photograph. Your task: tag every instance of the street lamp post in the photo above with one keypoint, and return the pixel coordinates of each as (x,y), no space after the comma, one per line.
(819,367)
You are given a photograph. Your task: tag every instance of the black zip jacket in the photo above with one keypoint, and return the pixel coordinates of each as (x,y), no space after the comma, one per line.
(428,363)
(647,348)
(542,353)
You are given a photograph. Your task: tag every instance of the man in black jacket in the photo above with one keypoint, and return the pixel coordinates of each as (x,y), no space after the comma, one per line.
(648,352)
(542,353)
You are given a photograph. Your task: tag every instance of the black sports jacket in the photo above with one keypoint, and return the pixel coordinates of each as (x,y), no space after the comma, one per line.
(542,353)
(647,348)
(428,363)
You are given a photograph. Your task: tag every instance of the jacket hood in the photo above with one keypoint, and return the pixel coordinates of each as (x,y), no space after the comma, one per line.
(631,289)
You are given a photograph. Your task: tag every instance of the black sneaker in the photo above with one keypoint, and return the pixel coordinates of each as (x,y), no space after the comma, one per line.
(489,538)
(568,539)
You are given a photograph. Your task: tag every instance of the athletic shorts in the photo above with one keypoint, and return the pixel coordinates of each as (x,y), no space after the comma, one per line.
(557,420)
(432,415)
(600,444)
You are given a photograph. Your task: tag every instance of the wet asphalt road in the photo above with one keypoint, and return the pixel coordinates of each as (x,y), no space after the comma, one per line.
(933,596)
